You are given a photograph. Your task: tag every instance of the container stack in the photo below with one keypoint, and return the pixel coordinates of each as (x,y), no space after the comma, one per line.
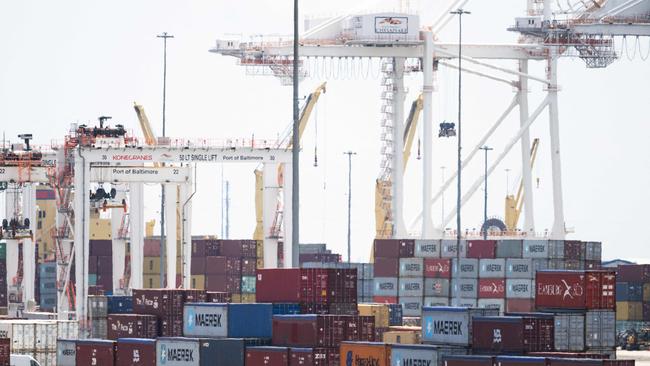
(100,265)
(543,360)
(3,278)
(47,286)
(407,290)
(365,276)
(167,306)
(97,315)
(317,253)
(632,297)
(36,338)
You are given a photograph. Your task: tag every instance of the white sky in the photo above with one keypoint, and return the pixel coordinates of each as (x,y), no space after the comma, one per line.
(72,61)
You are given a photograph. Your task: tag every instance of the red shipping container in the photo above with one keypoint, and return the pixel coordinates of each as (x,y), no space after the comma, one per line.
(172,325)
(278,285)
(596,356)
(394,248)
(386,267)
(95,352)
(633,273)
(481,249)
(92,264)
(267,356)
(561,361)
(218,297)
(475,360)
(101,247)
(222,266)
(223,283)
(151,248)
(161,302)
(385,299)
(574,250)
(320,330)
(198,266)
(239,248)
(308,357)
(136,352)
(512,334)
(5,351)
(132,326)
(248,267)
(520,305)
(575,290)
(437,268)
(491,288)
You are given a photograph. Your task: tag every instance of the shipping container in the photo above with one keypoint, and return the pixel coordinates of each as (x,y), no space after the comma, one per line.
(309,357)
(463,303)
(512,334)
(177,351)
(285,308)
(160,302)
(464,268)
(633,273)
(422,355)
(464,288)
(451,248)
(401,336)
(559,361)
(66,350)
(135,352)
(435,301)
(132,326)
(629,310)
(492,268)
(570,331)
(395,313)
(496,304)
(520,289)
(367,353)
(224,283)
(450,325)
(239,248)
(474,360)
(574,250)
(481,249)
(278,285)
(225,351)
(411,305)
(222,266)
(600,329)
(119,304)
(386,267)
(95,352)
(536,249)
(412,287)
(575,290)
(429,248)
(437,287)
(556,249)
(594,251)
(520,360)
(386,286)
(411,267)
(394,248)
(509,248)
(227,320)
(491,288)
(437,268)
(629,291)
(308,330)
(271,356)
(519,268)
(380,312)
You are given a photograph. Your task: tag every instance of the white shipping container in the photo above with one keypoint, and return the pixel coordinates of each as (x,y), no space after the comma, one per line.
(21,333)
(67,329)
(421,355)
(449,248)
(411,306)
(411,267)
(465,288)
(496,304)
(411,287)
(45,334)
(66,351)
(177,352)
(492,268)
(536,249)
(385,286)
(436,287)
(427,248)
(464,268)
(520,289)
(519,268)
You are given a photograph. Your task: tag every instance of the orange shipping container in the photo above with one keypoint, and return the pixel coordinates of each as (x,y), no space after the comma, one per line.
(365,353)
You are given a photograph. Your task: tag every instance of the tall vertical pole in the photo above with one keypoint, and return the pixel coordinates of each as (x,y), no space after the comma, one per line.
(442,208)
(529,221)
(460,13)
(349,154)
(427,131)
(164,36)
(485,188)
(295,150)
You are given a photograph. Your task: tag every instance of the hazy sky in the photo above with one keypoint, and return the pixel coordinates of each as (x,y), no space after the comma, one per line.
(71,61)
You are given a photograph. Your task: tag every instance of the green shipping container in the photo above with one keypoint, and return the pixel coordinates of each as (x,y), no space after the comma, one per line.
(92,279)
(3,251)
(248,284)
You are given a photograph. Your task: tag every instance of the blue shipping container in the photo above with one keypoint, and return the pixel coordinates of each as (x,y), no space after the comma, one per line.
(119,304)
(47,270)
(48,287)
(395,316)
(286,309)
(629,291)
(228,320)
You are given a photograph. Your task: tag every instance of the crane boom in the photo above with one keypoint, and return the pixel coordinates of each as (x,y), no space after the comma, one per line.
(514,204)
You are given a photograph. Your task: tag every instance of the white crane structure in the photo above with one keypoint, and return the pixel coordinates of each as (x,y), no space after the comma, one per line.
(550,30)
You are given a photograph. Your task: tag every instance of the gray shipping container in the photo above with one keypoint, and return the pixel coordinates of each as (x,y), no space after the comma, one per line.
(600,329)
(411,267)
(427,248)
(222,352)
(448,248)
(365,288)
(557,264)
(97,306)
(519,268)
(463,303)
(411,306)
(177,352)
(205,321)
(539,264)
(492,268)
(594,251)
(410,287)
(556,249)
(450,325)
(436,287)
(435,301)
(421,354)
(509,248)
(496,304)
(520,289)
(385,286)
(468,268)
(98,328)
(66,351)
(465,288)
(570,332)
(535,249)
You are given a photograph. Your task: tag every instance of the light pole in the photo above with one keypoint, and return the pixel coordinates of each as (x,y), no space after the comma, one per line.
(295,151)
(442,182)
(507,181)
(486,149)
(460,13)
(349,154)
(164,36)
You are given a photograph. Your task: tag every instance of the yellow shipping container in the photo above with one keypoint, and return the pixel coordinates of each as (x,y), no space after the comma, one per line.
(260,249)
(629,310)
(379,311)
(151,266)
(646,292)
(247,298)
(151,281)
(260,263)
(198,282)
(235,298)
(402,337)
(100,229)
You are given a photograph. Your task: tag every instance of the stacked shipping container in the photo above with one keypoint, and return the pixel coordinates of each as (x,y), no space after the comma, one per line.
(100,265)
(632,296)
(46,286)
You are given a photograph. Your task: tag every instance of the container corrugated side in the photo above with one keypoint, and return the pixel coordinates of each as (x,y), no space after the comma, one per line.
(66,350)
(425,355)
(450,325)
(227,320)
(177,352)
(358,353)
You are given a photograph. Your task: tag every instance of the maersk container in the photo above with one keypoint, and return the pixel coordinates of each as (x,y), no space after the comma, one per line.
(510,248)
(177,351)
(519,268)
(411,267)
(600,329)
(464,288)
(492,268)
(520,289)
(520,361)
(474,360)
(421,354)
(427,248)
(227,320)
(66,350)
(436,287)
(496,304)
(450,325)
(450,248)
(569,332)
(464,268)
(411,287)
(435,301)
(464,303)
(385,286)
(135,352)
(536,249)
(411,305)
